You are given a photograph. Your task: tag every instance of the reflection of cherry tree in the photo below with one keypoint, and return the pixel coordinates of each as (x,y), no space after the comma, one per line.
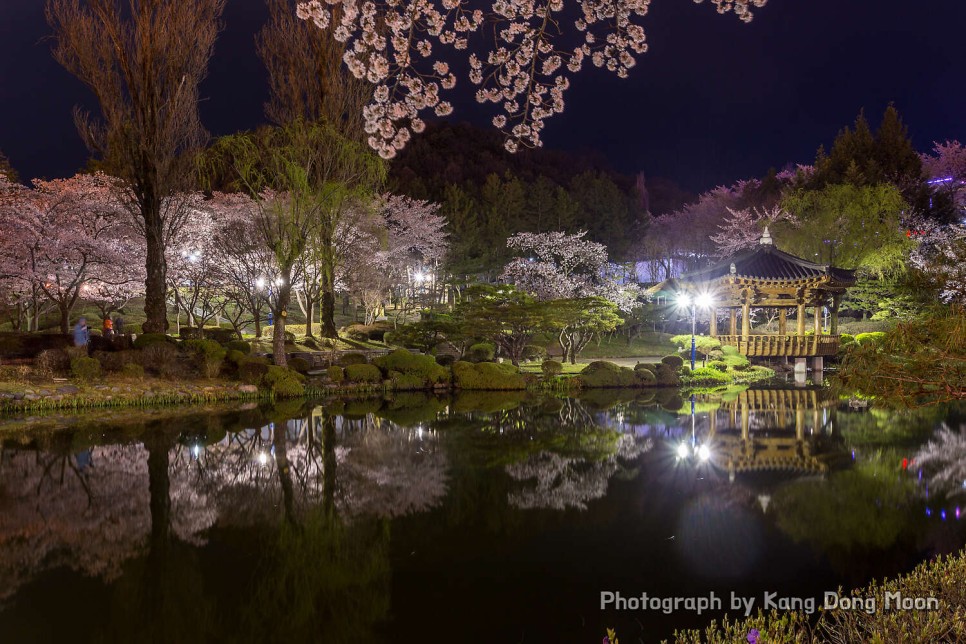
(943,460)
(570,482)
(89,512)
(356,467)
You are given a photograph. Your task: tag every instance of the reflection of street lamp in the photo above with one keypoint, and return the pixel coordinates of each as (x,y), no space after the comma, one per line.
(704,300)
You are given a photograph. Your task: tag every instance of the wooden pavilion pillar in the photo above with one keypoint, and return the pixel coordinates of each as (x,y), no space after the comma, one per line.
(818,320)
(733,323)
(833,328)
(713,328)
(782,322)
(745,320)
(801,319)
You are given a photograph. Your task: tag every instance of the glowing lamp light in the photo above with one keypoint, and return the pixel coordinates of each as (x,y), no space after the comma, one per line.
(260,282)
(704,452)
(262,458)
(419,277)
(683,450)
(684,300)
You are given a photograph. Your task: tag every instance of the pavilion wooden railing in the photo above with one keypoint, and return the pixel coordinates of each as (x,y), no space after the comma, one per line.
(793,346)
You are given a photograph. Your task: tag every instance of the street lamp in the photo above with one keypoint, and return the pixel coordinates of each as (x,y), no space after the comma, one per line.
(704,300)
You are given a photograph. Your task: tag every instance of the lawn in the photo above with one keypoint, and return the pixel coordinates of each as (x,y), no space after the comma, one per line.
(649,344)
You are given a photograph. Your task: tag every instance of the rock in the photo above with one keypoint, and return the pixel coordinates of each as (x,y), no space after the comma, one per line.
(248,389)
(68,389)
(32,397)
(18,395)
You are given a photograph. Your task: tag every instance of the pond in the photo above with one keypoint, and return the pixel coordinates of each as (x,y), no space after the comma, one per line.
(479,518)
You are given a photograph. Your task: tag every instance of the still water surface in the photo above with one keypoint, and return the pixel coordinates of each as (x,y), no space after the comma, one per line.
(480,518)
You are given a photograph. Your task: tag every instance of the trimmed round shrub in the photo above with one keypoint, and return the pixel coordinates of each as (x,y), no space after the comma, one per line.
(336,373)
(534,352)
(487,376)
(347,359)
(445,360)
(645,377)
(741,366)
(86,369)
(551,368)
(148,339)
(481,352)
(283,382)
(406,381)
(208,356)
(240,345)
(133,370)
(644,366)
(301,365)
(236,357)
(667,375)
(252,371)
(423,367)
(363,373)
(607,374)
(717,364)
(729,350)
(673,361)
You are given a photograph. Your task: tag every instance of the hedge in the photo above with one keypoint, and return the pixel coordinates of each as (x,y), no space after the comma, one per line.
(551,368)
(481,352)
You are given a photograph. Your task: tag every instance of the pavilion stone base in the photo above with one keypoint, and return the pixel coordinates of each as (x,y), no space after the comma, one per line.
(818,368)
(801,369)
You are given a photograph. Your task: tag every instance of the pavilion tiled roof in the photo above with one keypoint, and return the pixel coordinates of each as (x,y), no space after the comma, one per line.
(765,262)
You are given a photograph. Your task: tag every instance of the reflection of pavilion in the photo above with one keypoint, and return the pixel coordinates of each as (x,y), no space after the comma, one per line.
(772,430)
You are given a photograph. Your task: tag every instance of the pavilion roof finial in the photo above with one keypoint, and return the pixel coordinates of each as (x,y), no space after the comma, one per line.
(765,238)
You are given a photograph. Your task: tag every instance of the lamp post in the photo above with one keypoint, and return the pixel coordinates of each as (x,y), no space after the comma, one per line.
(704,300)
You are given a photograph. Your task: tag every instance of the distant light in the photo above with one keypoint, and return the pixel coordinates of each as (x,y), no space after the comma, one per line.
(683,450)
(260,282)
(196,450)
(684,299)
(705,300)
(704,453)
(262,458)
(942,515)
(928,512)
(419,277)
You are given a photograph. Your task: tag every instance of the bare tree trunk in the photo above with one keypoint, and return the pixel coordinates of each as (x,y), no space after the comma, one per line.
(327,315)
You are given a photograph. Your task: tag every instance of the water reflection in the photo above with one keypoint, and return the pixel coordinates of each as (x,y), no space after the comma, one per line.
(286,522)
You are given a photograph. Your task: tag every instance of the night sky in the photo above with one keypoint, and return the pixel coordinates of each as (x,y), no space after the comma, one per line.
(714,100)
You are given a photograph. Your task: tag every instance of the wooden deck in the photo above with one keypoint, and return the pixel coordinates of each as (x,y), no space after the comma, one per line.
(792,346)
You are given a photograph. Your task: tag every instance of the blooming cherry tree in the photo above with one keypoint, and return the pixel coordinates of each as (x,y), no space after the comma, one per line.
(64,236)
(557,265)
(399,46)
(742,229)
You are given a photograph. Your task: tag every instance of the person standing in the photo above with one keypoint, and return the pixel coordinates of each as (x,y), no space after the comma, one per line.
(81,333)
(119,325)
(108,328)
